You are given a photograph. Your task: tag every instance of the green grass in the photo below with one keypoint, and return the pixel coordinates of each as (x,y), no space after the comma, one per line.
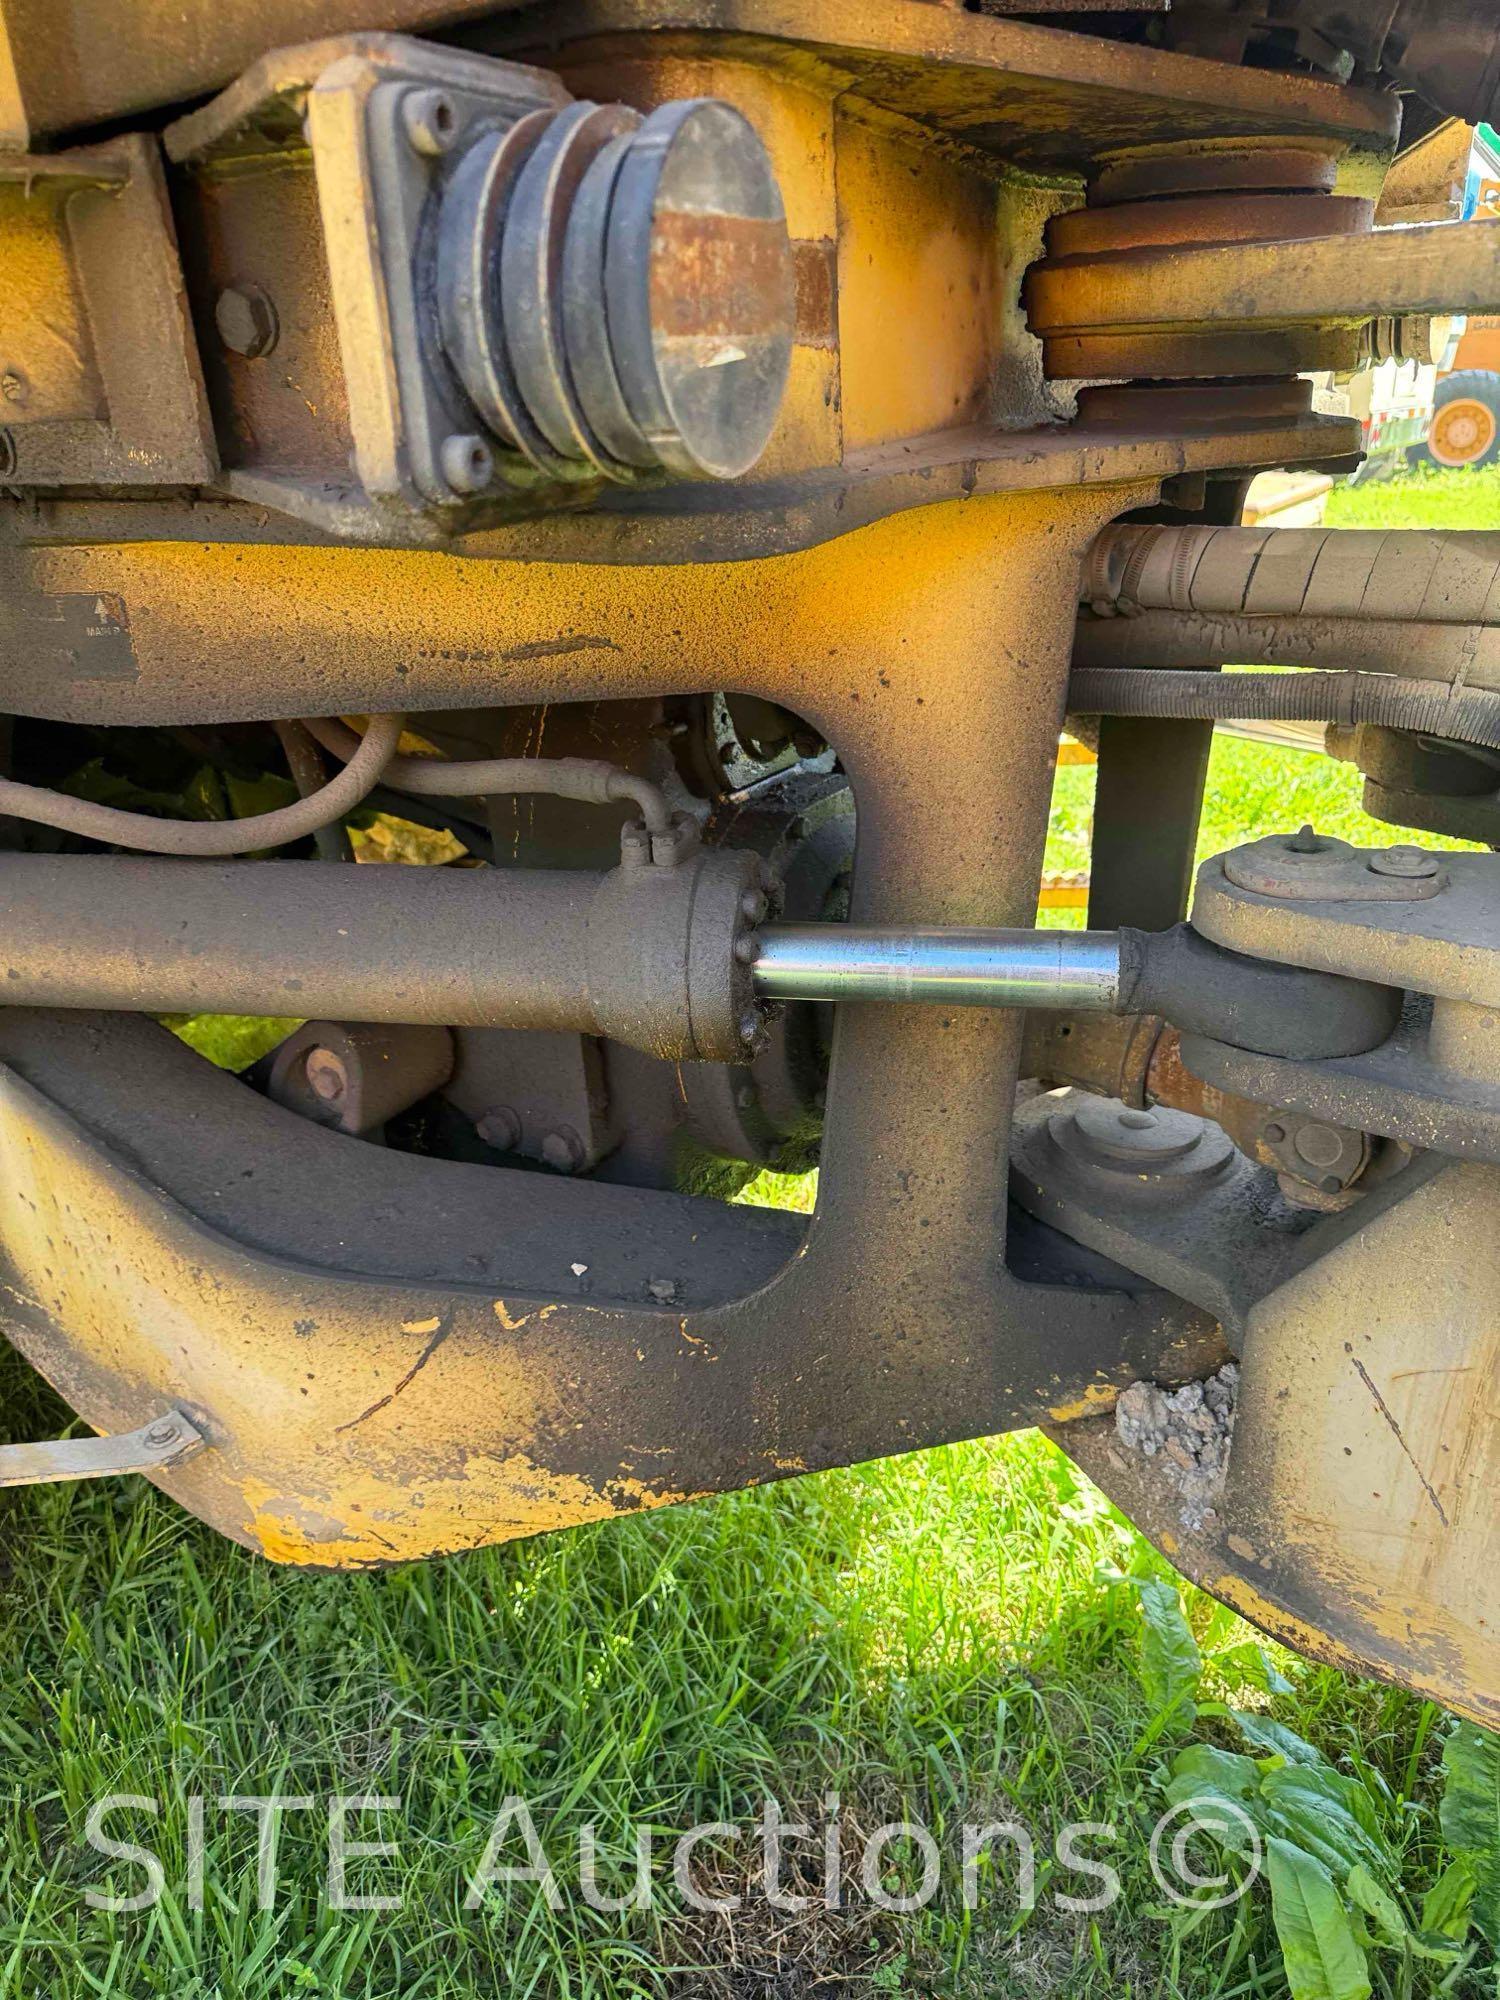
(1426,499)
(950,1636)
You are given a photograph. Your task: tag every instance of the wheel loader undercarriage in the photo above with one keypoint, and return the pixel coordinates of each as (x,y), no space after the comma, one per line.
(687,457)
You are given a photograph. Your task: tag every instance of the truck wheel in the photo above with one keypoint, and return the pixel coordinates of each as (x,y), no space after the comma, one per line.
(1465,428)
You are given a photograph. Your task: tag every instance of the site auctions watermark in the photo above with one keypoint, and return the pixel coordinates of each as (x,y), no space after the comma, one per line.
(790,1863)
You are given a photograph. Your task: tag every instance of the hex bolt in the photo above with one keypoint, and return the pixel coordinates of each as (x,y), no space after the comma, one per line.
(747,948)
(500,1128)
(1408,864)
(327,1074)
(467,461)
(431,121)
(563,1149)
(165,1432)
(635,845)
(247,321)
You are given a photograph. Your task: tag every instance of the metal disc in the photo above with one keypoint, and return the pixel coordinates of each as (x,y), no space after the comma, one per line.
(585,318)
(698,284)
(470,229)
(531,267)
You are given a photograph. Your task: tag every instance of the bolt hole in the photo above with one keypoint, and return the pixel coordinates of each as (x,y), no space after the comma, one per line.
(442,116)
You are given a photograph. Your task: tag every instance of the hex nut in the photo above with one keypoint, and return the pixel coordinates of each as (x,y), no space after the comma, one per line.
(165,1432)
(327,1074)
(467,461)
(247,321)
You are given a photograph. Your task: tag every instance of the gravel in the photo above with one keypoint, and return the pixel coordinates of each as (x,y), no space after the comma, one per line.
(1189,1431)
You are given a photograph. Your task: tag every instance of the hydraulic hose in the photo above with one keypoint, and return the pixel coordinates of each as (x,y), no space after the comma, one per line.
(213,838)
(587,779)
(1428,708)
(1409,575)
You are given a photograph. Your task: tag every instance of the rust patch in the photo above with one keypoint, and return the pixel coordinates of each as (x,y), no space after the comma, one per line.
(815,287)
(727,276)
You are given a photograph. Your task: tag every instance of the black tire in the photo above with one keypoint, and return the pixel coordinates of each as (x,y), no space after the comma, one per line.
(1473,387)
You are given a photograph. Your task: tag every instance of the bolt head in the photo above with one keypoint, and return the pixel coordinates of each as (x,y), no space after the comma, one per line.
(1319,1145)
(431,120)
(166,1432)
(467,461)
(753,906)
(247,321)
(500,1128)
(750,1026)
(563,1150)
(327,1074)
(1408,864)
(747,949)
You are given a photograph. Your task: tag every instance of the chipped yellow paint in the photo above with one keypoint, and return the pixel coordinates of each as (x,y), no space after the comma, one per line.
(422,1325)
(493,1500)
(1095,1400)
(513,1322)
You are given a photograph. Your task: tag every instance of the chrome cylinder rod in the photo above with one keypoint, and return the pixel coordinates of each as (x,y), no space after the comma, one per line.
(955,968)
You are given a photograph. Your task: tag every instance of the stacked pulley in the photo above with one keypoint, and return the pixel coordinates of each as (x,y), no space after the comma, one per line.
(1143,210)
(613,293)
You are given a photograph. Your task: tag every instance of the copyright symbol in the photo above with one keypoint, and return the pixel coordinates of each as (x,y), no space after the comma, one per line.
(1179,1881)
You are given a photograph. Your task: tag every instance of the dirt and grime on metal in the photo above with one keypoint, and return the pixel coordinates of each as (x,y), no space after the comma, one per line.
(1189,1431)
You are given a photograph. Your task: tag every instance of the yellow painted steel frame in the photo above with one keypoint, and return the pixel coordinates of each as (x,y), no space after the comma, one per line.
(355,1422)
(356,1415)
